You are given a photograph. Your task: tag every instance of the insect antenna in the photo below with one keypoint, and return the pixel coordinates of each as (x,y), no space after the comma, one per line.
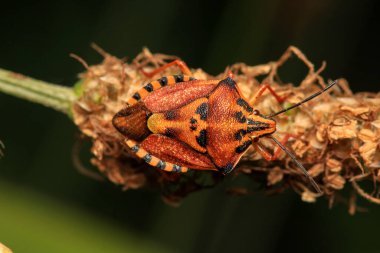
(304,101)
(315,185)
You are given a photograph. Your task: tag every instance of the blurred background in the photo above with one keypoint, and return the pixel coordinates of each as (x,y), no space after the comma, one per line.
(47,206)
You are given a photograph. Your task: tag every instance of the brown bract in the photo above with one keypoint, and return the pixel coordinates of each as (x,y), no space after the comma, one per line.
(337,133)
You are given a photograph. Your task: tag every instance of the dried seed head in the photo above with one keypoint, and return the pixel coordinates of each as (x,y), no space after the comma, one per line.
(322,132)
(376,123)
(334,165)
(316,170)
(367,152)
(335,181)
(308,196)
(299,147)
(275,175)
(342,128)
(337,134)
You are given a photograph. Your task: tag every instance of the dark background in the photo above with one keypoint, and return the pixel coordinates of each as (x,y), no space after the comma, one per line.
(46,206)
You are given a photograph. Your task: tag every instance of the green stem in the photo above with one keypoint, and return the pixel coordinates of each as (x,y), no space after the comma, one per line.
(51,95)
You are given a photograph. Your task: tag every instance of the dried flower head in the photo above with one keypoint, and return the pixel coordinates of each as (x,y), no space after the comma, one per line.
(337,134)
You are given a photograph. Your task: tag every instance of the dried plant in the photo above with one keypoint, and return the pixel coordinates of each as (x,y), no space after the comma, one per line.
(337,134)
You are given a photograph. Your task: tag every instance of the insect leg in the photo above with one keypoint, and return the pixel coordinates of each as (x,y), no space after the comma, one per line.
(259,148)
(261,90)
(153,160)
(266,154)
(182,65)
(155,85)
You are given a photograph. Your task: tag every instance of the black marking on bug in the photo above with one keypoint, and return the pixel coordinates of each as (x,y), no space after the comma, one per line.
(255,129)
(240,117)
(163,81)
(135,148)
(170,115)
(252,122)
(242,147)
(161,165)
(244,104)
(148,87)
(148,114)
(256,126)
(202,138)
(229,82)
(147,158)
(192,79)
(227,168)
(136,96)
(202,110)
(240,134)
(123,113)
(193,124)
(193,121)
(178,78)
(176,168)
(170,132)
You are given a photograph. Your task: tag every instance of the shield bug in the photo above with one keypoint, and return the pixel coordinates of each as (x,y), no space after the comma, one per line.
(178,122)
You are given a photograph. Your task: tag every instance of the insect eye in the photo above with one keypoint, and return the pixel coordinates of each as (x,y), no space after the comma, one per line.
(256,112)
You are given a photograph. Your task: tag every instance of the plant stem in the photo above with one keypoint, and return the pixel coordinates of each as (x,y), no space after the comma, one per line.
(51,95)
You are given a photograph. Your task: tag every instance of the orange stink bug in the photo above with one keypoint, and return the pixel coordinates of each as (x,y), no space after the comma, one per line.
(178,122)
